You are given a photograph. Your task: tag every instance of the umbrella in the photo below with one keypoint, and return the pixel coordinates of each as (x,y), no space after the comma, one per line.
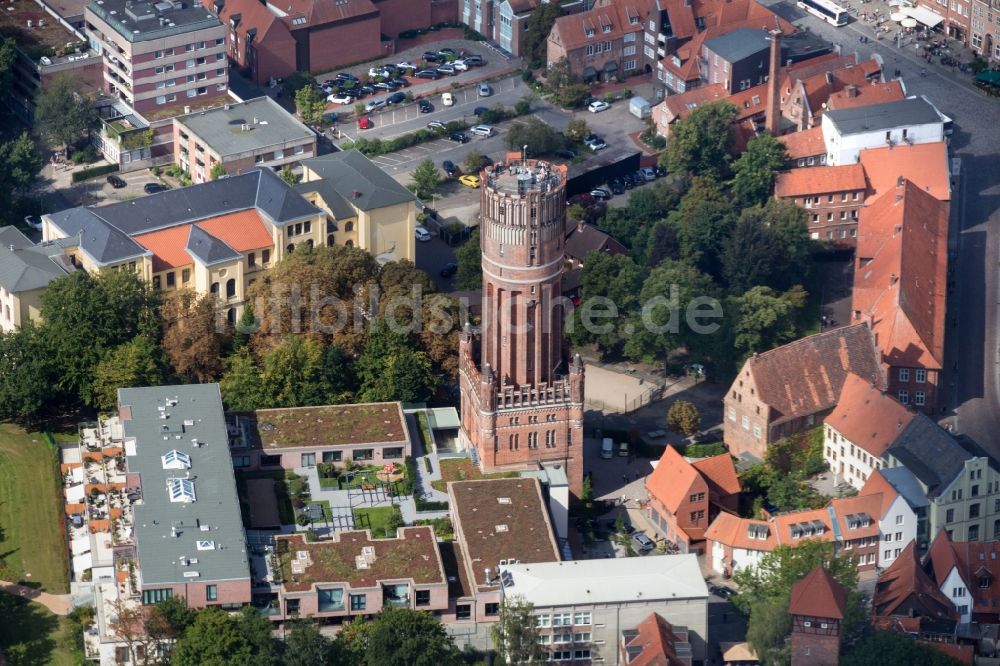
(909,23)
(897,16)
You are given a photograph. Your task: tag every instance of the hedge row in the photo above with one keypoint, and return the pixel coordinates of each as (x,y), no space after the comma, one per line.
(376,147)
(94,172)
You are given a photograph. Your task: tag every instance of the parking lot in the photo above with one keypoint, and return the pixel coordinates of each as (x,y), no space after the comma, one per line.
(98,191)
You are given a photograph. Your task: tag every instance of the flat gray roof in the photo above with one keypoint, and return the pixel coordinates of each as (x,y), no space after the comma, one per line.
(739,44)
(911,111)
(210,544)
(145,21)
(246,127)
(356,179)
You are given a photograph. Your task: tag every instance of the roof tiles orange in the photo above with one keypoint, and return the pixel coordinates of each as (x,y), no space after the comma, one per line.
(243,231)
(167,246)
(868,417)
(820,180)
(654,643)
(733,531)
(865,95)
(905,580)
(925,164)
(817,594)
(720,473)
(672,479)
(807,143)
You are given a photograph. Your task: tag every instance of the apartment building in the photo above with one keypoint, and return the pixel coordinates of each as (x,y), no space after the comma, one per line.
(25,271)
(805,148)
(585,608)
(364,434)
(240,136)
(158,56)
(655,641)
(365,207)
(907,599)
(966,573)
(794,387)
(832,197)
(955,15)
(847,132)
(806,90)
(353,575)
(215,238)
(900,521)
(45,47)
(860,429)
(685,497)
(602,44)
(985,29)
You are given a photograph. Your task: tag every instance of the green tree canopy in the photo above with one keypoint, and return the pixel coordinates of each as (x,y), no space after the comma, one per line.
(577,130)
(305,646)
(405,637)
(540,137)
(474,162)
(535,40)
(310,103)
(683,417)
(515,633)
(286,174)
(754,170)
(390,369)
(27,375)
(763,319)
(242,385)
(470,263)
(219,639)
(63,113)
(426,179)
(217,171)
(609,283)
(701,144)
(890,648)
(138,362)
(704,218)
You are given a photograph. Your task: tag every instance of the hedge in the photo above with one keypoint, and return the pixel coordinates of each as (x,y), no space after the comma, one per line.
(424,505)
(94,172)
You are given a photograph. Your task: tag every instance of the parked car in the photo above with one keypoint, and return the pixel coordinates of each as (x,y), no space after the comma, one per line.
(474,60)
(623,449)
(458,137)
(396,98)
(427,74)
(469,180)
(649,173)
(430,56)
(600,194)
(447,69)
(616,186)
(346,76)
(639,177)
(400,83)
(435,125)
(485,90)
(447,99)
(425,106)
(116,182)
(721,591)
(447,52)
(33,221)
(566,153)
(366,90)
(153,188)
(383,85)
(642,543)
(483,130)
(460,65)
(449,269)
(598,106)
(595,142)
(340,98)
(374,105)
(365,123)
(449,168)
(406,64)
(480,110)
(421,234)
(607,448)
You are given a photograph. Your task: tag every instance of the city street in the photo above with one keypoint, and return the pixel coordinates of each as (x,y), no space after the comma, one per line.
(970,383)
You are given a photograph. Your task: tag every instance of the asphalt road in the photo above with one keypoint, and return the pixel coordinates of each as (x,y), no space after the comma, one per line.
(970,383)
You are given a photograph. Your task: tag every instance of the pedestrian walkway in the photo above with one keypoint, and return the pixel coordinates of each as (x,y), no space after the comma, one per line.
(57,603)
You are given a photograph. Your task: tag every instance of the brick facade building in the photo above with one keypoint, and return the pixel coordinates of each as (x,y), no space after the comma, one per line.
(832,197)
(602,43)
(817,609)
(522,401)
(985,29)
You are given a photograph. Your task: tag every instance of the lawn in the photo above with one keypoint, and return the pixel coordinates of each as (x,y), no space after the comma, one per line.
(375,518)
(30,634)
(32,545)
(462,469)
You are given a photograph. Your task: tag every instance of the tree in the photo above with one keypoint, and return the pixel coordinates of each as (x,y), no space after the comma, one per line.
(129,623)
(683,417)
(609,284)
(753,172)
(20,164)
(764,319)
(891,648)
(400,637)
(246,325)
(192,336)
(515,633)
(703,220)
(390,369)
(470,264)
(394,521)
(242,386)
(768,631)
(474,162)
(286,174)
(577,130)
(539,137)
(587,491)
(310,103)
(426,179)
(217,171)
(138,362)
(63,113)
(27,374)
(219,639)
(295,82)
(701,143)
(751,254)
(305,646)
(7,54)
(536,35)
(566,88)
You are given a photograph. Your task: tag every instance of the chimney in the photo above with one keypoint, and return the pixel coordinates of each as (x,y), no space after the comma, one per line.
(829,78)
(487,576)
(773,111)
(852,91)
(900,181)
(893,279)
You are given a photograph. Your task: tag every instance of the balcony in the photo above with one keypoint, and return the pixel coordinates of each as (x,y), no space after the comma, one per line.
(396,596)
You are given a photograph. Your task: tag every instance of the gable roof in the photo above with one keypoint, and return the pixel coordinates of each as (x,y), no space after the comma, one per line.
(586,238)
(867,416)
(356,179)
(571,31)
(809,519)
(322,12)
(865,95)
(719,473)
(879,486)
(734,531)
(805,376)
(906,484)
(653,643)
(243,231)
(930,453)
(973,560)
(901,275)
(942,558)
(25,266)
(806,143)
(924,164)
(818,87)
(167,246)
(905,581)
(672,479)
(817,594)
(820,180)
(207,248)
(849,514)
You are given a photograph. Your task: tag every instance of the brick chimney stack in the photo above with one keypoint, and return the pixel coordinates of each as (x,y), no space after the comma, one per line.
(773,118)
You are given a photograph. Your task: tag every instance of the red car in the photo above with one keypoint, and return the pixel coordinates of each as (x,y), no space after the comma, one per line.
(365,123)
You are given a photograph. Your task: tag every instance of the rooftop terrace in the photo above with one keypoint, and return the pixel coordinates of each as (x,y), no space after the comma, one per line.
(38,34)
(354,558)
(520,176)
(372,423)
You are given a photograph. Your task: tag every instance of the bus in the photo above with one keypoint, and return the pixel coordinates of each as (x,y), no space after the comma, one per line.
(829,11)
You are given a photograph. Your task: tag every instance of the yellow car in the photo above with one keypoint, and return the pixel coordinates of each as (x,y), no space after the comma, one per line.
(471,181)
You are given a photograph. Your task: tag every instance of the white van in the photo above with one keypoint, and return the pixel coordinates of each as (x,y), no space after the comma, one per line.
(607,449)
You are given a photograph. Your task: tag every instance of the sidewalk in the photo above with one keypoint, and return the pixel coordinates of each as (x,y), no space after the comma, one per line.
(57,603)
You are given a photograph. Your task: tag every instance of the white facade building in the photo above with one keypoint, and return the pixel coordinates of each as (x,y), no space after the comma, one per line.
(846,132)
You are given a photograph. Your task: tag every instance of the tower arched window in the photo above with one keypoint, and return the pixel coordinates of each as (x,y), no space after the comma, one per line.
(214,289)
(290,248)
(349,243)
(230,288)
(330,241)
(231,315)
(348,226)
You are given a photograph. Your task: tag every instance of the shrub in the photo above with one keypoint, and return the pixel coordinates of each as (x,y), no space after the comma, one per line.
(86,155)
(94,172)
(472,35)
(527,76)
(609,97)
(303,520)
(175,170)
(425,505)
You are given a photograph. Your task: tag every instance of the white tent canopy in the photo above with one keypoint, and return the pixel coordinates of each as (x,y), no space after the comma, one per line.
(74,494)
(923,15)
(82,562)
(80,545)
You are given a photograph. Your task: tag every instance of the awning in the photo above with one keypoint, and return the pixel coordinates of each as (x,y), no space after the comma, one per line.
(989,76)
(589,73)
(75,494)
(923,15)
(82,562)
(611,66)
(80,545)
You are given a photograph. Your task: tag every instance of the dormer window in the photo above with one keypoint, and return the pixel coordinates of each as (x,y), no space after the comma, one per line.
(590,32)
(605,28)
(984,582)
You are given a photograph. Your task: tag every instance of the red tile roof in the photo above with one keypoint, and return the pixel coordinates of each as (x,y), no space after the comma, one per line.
(167,246)
(818,595)
(243,231)
(720,474)
(672,479)
(805,376)
(783,526)
(901,275)
(733,531)
(820,180)
(521,6)
(906,582)
(879,486)
(571,31)
(811,67)
(819,87)
(942,557)
(322,12)
(867,416)
(925,164)
(974,560)
(655,639)
(807,143)
(866,95)
(859,505)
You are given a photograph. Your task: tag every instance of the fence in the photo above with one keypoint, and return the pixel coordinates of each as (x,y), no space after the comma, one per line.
(628,404)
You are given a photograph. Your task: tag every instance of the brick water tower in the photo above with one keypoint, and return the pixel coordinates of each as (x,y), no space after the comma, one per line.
(522,397)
